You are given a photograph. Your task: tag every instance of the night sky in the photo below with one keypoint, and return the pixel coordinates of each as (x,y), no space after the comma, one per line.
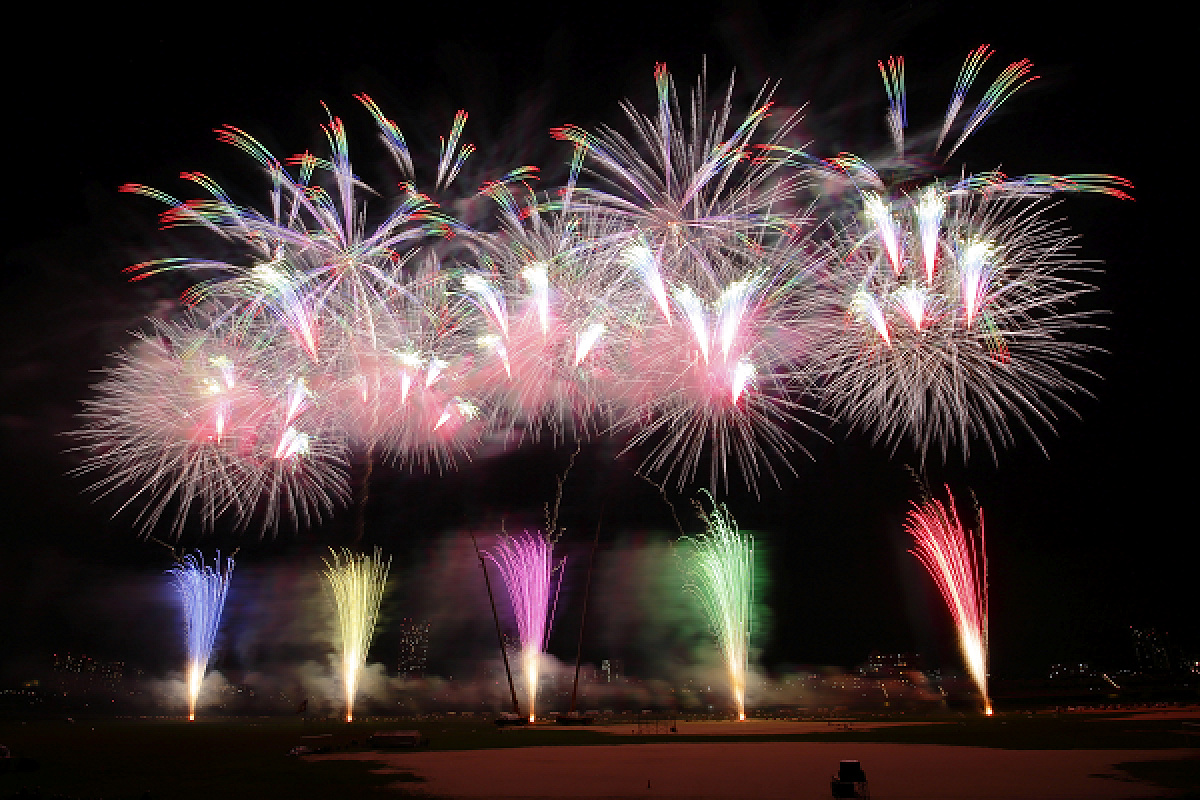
(1086,539)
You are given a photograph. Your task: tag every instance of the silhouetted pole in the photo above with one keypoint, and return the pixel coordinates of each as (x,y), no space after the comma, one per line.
(583,617)
(499,636)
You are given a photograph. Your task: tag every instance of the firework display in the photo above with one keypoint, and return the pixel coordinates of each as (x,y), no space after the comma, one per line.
(956,559)
(704,288)
(202,589)
(357,581)
(719,569)
(527,566)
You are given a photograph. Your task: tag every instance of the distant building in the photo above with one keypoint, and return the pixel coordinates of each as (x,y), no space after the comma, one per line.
(1072,672)
(84,675)
(413,660)
(1153,651)
(612,669)
(891,665)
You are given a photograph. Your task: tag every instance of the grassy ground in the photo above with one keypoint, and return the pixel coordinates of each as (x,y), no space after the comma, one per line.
(136,758)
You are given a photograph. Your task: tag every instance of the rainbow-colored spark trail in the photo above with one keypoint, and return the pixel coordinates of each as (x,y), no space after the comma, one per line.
(719,569)
(358,581)
(202,589)
(526,563)
(956,559)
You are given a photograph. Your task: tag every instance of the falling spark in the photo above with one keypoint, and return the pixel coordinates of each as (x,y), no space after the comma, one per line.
(358,582)
(885,226)
(539,281)
(202,589)
(930,211)
(587,340)
(642,259)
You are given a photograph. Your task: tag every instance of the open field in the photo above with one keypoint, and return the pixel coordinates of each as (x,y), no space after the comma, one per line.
(1043,755)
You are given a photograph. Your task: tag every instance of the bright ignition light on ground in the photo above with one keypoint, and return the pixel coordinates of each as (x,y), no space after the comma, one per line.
(526,563)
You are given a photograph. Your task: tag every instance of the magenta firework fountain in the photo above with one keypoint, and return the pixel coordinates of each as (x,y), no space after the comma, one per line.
(526,563)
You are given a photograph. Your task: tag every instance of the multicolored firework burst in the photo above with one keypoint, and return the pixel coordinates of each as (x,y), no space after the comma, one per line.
(676,290)
(705,221)
(202,589)
(956,559)
(718,566)
(358,582)
(960,298)
(527,565)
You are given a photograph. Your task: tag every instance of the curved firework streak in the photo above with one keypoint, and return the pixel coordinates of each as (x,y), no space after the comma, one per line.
(357,581)
(956,559)
(202,591)
(718,566)
(688,189)
(526,563)
(409,391)
(311,264)
(722,383)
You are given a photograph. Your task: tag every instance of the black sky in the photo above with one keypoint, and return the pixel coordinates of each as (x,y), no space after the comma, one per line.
(1084,541)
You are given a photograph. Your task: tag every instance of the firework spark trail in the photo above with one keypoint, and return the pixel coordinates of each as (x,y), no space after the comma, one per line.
(956,559)
(551,356)
(202,589)
(985,348)
(526,563)
(718,566)
(358,582)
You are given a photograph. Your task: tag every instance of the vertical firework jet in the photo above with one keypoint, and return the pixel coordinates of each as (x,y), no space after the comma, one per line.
(202,589)
(358,581)
(719,568)
(526,563)
(956,559)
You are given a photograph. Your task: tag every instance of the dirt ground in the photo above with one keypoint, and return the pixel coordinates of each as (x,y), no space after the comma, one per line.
(793,770)
(751,727)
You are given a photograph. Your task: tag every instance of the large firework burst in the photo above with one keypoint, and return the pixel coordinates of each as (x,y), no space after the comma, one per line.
(703,218)
(960,298)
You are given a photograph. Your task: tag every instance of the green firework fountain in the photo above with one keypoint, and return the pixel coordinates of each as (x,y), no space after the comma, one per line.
(718,567)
